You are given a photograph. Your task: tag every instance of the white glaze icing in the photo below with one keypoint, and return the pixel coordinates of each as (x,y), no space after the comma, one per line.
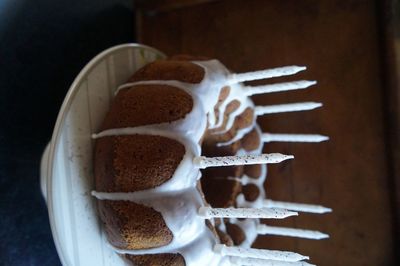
(179,211)
(249,226)
(178,196)
(185,168)
(206,92)
(200,252)
(235,93)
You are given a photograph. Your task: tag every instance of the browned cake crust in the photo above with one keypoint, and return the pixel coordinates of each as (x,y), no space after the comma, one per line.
(236,233)
(165,259)
(243,120)
(253,171)
(133,226)
(135,162)
(210,148)
(222,97)
(250,192)
(227,171)
(251,140)
(146,105)
(220,193)
(224,238)
(170,70)
(230,108)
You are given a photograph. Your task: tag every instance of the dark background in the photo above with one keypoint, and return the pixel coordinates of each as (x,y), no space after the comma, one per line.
(43,46)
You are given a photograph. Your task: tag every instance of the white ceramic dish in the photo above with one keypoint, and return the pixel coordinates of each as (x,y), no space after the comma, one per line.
(66,168)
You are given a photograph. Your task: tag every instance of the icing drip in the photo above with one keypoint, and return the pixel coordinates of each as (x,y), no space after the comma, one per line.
(249,226)
(172,205)
(236,93)
(185,168)
(178,197)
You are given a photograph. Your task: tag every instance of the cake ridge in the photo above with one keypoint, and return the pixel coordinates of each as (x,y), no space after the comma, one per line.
(203,103)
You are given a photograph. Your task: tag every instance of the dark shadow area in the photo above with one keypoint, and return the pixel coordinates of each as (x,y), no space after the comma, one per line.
(43,46)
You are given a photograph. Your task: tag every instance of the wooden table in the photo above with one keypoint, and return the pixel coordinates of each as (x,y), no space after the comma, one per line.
(344,46)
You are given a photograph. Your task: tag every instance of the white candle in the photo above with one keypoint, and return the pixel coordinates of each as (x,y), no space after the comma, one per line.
(270,137)
(277,87)
(283,108)
(301,207)
(258,253)
(266,213)
(262,262)
(263,229)
(204,162)
(264,74)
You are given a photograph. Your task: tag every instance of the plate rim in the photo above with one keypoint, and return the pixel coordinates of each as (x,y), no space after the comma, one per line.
(67,102)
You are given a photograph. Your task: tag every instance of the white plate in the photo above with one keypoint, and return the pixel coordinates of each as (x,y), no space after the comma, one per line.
(67,175)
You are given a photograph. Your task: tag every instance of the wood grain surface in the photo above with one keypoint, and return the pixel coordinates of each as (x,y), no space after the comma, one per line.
(339,43)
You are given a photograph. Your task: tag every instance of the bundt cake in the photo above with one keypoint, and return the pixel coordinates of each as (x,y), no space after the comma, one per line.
(178,167)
